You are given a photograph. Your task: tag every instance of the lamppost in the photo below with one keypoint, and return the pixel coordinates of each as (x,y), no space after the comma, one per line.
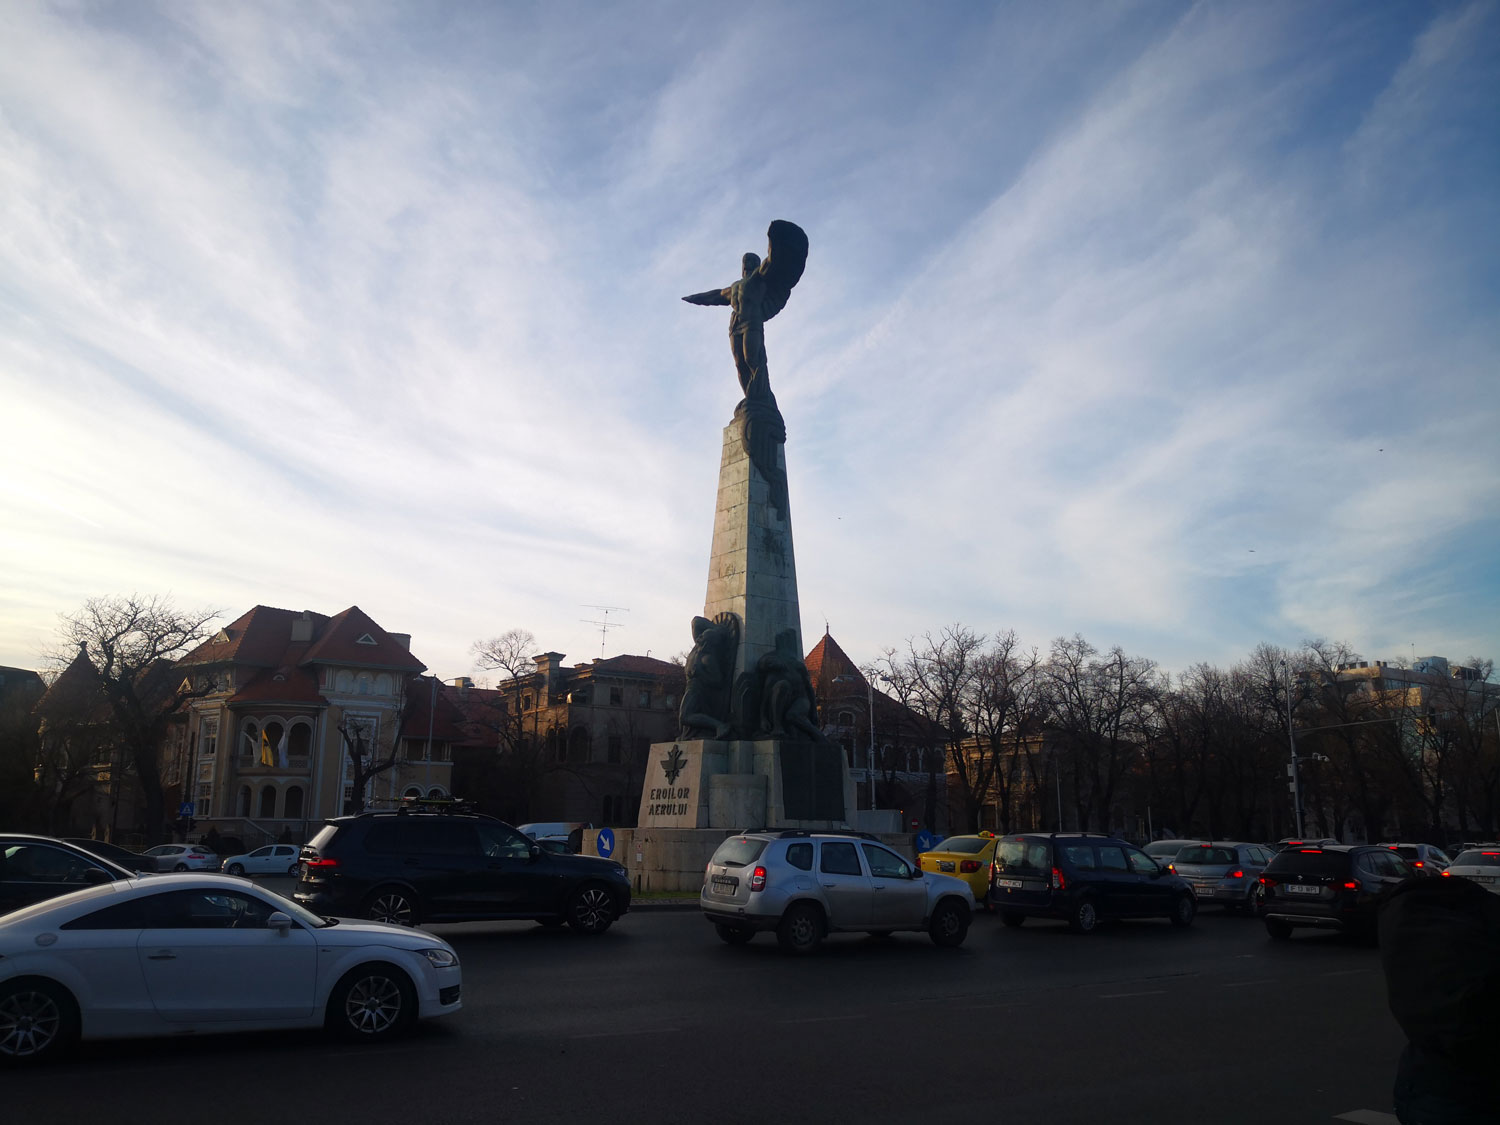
(1291,735)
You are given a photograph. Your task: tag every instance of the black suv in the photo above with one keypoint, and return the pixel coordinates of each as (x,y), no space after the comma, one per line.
(1331,886)
(1083,878)
(412,867)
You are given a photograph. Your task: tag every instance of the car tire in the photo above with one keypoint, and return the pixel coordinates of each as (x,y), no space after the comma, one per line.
(1085,917)
(292,870)
(949,924)
(1279,930)
(1013,918)
(801,928)
(372,1004)
(733,935)
(38,1021)
(1184,910)
(393,904)
(235,869)
(591,910)
(180,867)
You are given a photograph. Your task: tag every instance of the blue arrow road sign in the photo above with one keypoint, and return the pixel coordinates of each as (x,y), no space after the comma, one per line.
(605,844)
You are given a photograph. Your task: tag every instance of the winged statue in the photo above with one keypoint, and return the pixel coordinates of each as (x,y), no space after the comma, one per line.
(759,294)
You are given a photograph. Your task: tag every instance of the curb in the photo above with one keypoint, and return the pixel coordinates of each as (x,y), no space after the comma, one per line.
(663,904)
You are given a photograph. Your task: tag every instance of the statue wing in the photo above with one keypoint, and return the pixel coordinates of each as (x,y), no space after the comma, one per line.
(785,259)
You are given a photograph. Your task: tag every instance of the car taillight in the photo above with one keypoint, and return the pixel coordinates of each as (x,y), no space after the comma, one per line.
(1172,867)
(758,879)
(1267,881)
(1446,874)
(1236,874)
(969,866)
(321,862)
(1351,886)
(1058,882)
(1416,863)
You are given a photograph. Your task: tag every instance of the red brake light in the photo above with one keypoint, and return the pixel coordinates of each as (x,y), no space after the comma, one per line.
(1446,874)
(1172,867)
(1236,874)
(1351,886)
(758,879)
(1058,882)
(969,866)
(1311,851)
(1390,847)
(1267,881)
(321,862)
(1416,863)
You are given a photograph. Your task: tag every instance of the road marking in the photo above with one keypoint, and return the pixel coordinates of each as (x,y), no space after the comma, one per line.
(1248,983)
(1123,995)
(1368,1117)
(824,1019)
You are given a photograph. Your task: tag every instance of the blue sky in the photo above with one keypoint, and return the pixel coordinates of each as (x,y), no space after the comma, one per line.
(1172,325)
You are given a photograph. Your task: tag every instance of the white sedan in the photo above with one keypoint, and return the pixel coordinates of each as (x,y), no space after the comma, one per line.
(1481,864)
(273,859)
(183,857)
(206,953)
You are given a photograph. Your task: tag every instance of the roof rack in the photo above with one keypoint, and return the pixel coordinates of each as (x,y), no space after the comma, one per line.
(804,833)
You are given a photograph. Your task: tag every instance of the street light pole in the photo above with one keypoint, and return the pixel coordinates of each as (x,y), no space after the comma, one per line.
(1291,735)
(870,756)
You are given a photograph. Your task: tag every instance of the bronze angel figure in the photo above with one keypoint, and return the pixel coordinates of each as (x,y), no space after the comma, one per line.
(756,297)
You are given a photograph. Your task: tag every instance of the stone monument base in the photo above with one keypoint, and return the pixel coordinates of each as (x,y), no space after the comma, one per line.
(746,785)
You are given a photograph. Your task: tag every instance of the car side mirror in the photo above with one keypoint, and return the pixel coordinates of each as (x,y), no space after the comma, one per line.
(536,851)
(280,922)
(95,875)
(915,873)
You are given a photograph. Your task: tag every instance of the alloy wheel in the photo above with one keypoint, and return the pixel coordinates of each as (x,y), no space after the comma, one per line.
(592,910)
(30,1022)
(391,906)
(373,1005)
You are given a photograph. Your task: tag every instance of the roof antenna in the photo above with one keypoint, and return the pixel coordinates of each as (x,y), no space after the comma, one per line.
(606,625)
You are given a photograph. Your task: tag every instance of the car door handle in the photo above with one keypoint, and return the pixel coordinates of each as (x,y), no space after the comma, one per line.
(830,886)
(162,956)
(879,887)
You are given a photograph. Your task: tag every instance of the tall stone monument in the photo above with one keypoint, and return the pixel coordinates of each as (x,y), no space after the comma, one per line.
(750,752)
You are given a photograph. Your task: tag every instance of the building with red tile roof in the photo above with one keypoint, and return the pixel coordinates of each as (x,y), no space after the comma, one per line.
(267,751)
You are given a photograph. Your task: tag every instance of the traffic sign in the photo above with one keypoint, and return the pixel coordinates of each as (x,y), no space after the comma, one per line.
(925,842)
(185,809)
(605,843)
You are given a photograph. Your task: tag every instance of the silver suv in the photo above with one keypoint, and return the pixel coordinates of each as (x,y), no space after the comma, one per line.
(804,885)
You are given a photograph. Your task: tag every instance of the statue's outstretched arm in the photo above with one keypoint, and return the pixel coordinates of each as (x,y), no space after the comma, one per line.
(711,297)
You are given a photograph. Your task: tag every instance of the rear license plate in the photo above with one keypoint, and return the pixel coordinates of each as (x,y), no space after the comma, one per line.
(1297,889)
(1205,892)
(1009,883)
(724,886)
(945,865)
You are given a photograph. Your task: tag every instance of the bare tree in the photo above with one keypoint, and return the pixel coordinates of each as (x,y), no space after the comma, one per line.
(372,753)
(132,643)
(1000,708)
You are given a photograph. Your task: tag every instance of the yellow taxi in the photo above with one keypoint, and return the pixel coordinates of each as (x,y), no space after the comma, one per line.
(964,857)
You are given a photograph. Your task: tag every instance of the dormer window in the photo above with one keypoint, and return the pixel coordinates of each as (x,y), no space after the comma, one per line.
(366,640)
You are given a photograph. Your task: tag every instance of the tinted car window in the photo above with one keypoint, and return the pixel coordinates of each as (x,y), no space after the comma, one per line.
(1397,865)
(839,859)
(1080,856)
(1204,855)
(1112,859)
(205,910)
(381,836)
(799,856)
(441,837)
(1022,857)
(739,850)
(887,865)
(122,916)
(1295,861)
(1478,859)
(502,842)
(39,863)
(963,845)
(1141,863)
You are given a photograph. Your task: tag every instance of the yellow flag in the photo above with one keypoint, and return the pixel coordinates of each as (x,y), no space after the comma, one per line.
(265,750)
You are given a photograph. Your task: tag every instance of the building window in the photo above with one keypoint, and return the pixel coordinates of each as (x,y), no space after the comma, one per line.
(616,696)
(525,703)
(644,698)
(616,748)
(204,806)
(245,800)
(249,743)
(293,809)
(268,802)
(412,791)
(579,745)
(209,738)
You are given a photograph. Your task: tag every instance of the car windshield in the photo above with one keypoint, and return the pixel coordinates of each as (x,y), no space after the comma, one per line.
(1206,856)
(299,913)
(1407,852)
(1020,857)
(738,851)
(1478,859)
(963,845)
(1308,861)
(1164,849)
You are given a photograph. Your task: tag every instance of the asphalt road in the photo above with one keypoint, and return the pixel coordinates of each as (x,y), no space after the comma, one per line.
(657,1021)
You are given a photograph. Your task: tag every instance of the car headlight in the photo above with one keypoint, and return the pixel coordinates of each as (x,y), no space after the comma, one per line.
(440,958)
